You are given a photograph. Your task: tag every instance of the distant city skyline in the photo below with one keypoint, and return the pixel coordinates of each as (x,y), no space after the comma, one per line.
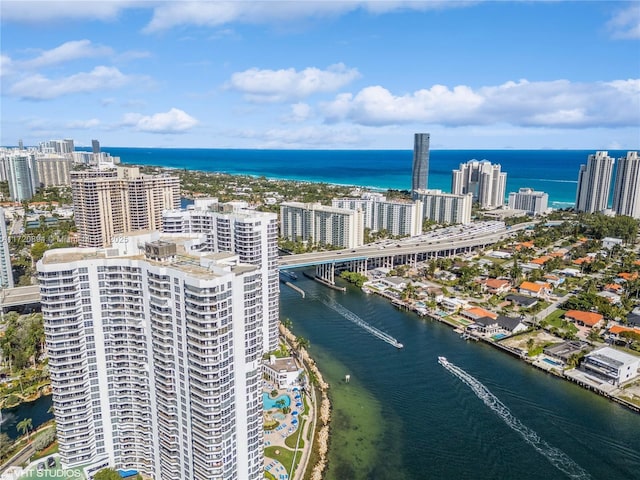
(326,74)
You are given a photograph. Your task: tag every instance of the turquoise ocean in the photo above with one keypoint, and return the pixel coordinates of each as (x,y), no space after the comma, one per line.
(552,171)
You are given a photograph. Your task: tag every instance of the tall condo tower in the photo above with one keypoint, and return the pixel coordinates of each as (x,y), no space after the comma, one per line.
(482,179)
(153,359)
(594,183)
(420,172)
(112,202)
(626,190)
(95,146)
(6,274)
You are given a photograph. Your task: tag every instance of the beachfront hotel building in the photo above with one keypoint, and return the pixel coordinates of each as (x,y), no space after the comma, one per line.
(483,180)
(252,235)
(594,183)
(316,223)
(111,202)
(396,217)
(420,170)
(155,358)
(447,208)
(529,200)
(626,190)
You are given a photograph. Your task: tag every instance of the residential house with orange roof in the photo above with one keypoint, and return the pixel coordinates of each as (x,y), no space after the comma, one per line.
(535,289)
(554,280)
(628,276)
(475,313)
(613,288)
(585,319)
(522,245)
(616,330)
(541,260)
(496,286)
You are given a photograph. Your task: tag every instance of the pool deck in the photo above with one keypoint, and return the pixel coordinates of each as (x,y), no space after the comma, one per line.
(286,428)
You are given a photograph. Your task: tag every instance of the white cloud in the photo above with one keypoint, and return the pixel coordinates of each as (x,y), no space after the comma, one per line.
(216,13)
(173,121)
(625,24)
(39,87)
(299,113)
(281,85)
(67,51)
(84,124)
(36,11)
(5,65)
(557,103)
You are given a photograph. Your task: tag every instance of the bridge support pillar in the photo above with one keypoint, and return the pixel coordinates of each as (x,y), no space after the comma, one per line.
(326,272)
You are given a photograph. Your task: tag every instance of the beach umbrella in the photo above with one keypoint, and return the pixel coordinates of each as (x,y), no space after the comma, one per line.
(294,421)
(296,388)
(294,413)
(298,404)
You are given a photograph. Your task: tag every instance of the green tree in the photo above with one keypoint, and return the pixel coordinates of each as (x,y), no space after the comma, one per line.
(25,426)
(107,474)
(303,343)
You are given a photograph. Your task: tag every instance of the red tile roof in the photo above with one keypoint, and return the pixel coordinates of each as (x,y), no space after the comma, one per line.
(588,318)
(533,287)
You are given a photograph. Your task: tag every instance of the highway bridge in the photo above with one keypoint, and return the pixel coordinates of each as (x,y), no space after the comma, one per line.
(387,254)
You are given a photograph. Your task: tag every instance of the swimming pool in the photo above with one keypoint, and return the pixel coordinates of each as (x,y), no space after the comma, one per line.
(551,362)
(269,403)
(499,336)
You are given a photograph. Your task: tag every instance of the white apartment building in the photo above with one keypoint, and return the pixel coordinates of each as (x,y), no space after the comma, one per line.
(107,203)
(594,183)
(54,170)
(57,146)
(626,190)
(616,366)
(18,168)
(482,179)
(445,207)
(321,224)
(155,358)
(398,218)
(529,200)
(6,273)
(252,235)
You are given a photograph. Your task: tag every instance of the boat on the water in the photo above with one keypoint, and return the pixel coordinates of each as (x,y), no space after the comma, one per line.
(443,361)
(289,275)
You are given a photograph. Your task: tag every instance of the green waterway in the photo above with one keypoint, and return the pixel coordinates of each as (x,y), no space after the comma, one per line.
(404,417)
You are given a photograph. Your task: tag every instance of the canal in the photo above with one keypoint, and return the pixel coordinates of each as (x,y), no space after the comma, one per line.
(37,411)
(403,416)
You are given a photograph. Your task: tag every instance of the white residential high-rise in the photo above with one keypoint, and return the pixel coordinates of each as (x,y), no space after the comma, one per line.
(111,202)
(155,358)
(6,273)
(445,207)
(54,170)
(396,217)
(594,183)
(321,224)
(529,200)
(482,179)
(626,190)
(252,235)
(18,167)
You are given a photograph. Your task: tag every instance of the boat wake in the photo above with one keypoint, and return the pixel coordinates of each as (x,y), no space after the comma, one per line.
(349,315)
(557,457)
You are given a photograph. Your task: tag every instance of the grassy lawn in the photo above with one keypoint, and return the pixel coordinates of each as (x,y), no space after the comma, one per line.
(555,318)
(53,448)
(284,456)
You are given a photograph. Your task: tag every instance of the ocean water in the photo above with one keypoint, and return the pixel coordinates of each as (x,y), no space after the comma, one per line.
(552,171)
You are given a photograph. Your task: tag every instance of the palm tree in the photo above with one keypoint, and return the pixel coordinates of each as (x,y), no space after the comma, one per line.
(25,426)
(303,343)
(286,323)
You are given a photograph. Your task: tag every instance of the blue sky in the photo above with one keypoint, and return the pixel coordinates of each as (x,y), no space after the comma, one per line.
(322,74)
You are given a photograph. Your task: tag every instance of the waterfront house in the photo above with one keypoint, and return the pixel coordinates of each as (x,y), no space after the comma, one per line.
(584,319)
(535,289)
(614,366)
(282,372)
(451,305)
(614,332)
(563,351)
(476,313)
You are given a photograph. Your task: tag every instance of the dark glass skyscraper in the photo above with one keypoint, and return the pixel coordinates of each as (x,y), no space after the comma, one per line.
(420,172)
